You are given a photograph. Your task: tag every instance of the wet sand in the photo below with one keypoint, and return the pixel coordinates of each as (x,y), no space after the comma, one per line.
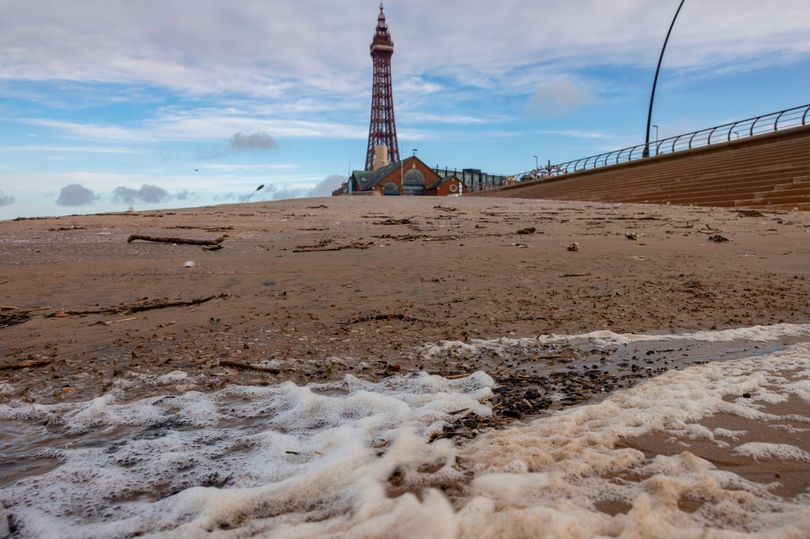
(309,290)
(788,477)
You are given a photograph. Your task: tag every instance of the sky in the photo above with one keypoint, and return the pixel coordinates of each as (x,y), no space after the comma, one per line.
(109,105)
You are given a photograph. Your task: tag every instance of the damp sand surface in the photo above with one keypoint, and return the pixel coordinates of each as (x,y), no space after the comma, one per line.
(775,452)
(311,290)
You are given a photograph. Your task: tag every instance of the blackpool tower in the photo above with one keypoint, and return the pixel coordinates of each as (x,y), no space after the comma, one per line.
(382,132)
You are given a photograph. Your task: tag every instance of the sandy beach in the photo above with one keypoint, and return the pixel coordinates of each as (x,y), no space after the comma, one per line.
(370,294)
(369,280)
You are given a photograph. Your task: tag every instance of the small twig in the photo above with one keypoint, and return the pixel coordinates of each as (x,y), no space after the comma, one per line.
(25,364)
(245,366)
(574,274)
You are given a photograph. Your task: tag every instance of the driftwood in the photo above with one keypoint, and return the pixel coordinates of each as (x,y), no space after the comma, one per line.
(25,364)
(206,228)
(13,319)
(574,274)
(15,316)
(391,221)
(381,317)
(245,366)
(317,249)
(184,241)
(130,308)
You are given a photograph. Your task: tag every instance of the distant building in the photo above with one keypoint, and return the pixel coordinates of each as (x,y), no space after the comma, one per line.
(474,178)
(410,176)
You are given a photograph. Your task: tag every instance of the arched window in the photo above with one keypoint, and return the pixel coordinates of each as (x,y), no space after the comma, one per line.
(391,189)
(413,183)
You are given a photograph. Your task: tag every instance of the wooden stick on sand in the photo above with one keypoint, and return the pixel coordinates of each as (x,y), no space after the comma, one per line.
(184,241)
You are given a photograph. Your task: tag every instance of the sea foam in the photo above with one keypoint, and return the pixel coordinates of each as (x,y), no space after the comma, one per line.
(355,459)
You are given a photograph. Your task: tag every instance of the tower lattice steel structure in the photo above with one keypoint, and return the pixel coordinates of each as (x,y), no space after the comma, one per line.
(382,129)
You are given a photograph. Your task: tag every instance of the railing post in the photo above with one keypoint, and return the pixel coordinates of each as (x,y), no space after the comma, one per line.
(751,131)
(776,121)
(731,129)
(709,141)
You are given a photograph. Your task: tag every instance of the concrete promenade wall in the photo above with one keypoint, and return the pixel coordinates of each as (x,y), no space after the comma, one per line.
(771,171)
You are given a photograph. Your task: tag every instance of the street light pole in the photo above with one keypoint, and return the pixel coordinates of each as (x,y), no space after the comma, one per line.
(536,163)
(646,152)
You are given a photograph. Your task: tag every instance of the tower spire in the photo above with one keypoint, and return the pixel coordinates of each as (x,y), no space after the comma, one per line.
(382,129)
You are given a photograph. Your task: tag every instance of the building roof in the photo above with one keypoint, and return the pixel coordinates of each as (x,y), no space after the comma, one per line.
(441,181)
(367,179)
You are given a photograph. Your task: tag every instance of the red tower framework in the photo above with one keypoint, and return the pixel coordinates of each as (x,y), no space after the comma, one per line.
(382,129)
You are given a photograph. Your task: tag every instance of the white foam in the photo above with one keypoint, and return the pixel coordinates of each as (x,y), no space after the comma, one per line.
(577,448)
(285,445)
(763,450)
(291,461)
(604,339)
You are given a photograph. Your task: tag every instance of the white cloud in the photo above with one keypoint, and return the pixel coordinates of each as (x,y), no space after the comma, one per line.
(325,187)
(575,133)
(457,119)
(278,48)
(201,184)
(559,97)
(417,86)
(228,167)
(201,125)
(66,149)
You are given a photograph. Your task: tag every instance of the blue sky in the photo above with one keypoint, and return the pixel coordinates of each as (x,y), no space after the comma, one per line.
(178,103)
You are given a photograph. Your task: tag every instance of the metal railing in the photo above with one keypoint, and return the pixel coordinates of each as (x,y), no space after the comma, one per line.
(750,127)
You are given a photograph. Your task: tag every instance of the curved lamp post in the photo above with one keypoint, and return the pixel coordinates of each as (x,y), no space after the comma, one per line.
(646,152)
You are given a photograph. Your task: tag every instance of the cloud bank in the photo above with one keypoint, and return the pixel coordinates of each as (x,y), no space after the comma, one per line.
(280,49)
(6,200)
(325,187)
(239,143)
(254,142)
(76,195)
(148,194)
